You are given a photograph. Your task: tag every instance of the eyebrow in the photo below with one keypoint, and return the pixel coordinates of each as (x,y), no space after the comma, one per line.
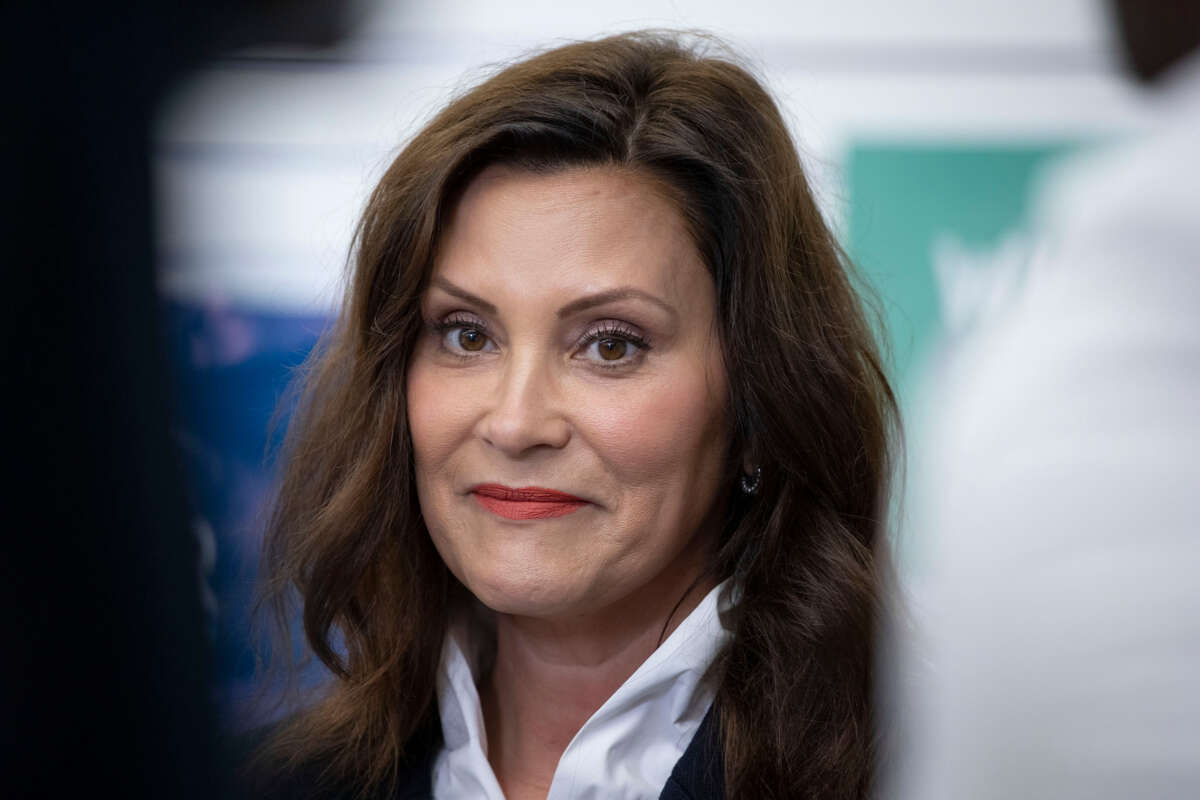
(611,296)
(463,294)
(573,307)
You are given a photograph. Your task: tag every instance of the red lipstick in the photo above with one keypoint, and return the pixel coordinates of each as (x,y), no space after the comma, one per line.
(530,502)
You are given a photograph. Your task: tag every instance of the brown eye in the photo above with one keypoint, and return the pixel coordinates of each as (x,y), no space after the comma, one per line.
(613,345)
(471,339)
(612,349)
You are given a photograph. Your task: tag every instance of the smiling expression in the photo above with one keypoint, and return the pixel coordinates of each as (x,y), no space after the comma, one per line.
(567,398)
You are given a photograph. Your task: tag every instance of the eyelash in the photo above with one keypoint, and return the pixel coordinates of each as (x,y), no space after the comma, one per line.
(606,330)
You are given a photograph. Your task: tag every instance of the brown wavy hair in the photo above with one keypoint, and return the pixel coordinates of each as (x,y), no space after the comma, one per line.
(809,398)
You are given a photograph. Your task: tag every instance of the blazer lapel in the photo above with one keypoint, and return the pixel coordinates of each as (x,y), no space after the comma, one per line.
(700,773)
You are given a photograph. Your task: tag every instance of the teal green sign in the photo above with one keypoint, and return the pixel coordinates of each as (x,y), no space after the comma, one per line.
(934,228)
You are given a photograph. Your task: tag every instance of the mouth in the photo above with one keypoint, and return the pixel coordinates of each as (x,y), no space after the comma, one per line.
(530,502)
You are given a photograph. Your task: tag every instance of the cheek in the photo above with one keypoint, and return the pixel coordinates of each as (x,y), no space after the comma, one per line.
(423,424)
(665,430)
(438,416)
(435,423)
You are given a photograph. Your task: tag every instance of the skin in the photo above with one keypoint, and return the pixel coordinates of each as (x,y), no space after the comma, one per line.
(538,278)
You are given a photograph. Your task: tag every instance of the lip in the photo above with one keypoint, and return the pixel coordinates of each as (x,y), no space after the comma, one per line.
(528,502)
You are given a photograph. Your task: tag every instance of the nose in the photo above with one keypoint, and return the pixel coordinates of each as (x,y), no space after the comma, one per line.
(524,413)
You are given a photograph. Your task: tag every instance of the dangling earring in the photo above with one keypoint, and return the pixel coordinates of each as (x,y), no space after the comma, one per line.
(750,484)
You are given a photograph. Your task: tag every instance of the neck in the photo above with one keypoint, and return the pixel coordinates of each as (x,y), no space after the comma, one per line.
(550,676)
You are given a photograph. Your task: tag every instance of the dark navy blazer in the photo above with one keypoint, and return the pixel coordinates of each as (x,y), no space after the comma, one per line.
(698,775)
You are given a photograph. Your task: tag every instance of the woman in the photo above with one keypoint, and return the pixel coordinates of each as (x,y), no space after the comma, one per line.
(582,497)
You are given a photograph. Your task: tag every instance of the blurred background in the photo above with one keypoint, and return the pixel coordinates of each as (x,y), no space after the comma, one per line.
(926,126)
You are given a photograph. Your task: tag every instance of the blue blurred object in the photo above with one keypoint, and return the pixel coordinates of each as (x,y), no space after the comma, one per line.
(232,367)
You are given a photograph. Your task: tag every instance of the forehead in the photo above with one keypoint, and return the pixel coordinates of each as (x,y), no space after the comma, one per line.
(575,230)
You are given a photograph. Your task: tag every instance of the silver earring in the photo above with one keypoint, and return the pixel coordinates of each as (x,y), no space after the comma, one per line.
(750,484)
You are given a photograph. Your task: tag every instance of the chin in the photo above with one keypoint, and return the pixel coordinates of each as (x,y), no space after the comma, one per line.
(525,593)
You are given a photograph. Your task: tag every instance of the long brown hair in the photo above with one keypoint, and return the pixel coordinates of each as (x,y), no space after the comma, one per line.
(809,398)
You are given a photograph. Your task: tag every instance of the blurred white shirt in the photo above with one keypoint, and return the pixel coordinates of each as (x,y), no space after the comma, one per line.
(1062,498)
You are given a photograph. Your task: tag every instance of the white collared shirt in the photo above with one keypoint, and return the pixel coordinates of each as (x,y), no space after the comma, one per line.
(625,751)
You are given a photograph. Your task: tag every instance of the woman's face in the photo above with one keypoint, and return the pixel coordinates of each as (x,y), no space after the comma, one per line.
(567,398)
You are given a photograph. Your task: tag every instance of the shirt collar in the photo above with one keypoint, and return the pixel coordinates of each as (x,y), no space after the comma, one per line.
(625,751)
